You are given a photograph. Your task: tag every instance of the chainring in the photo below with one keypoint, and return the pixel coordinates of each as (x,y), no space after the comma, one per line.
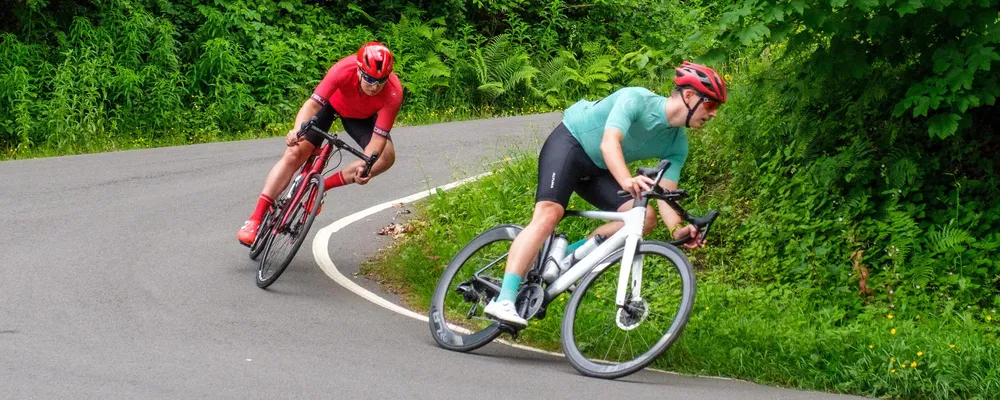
(529,300)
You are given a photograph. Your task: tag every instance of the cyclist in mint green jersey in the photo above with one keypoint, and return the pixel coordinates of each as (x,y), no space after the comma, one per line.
(588,152)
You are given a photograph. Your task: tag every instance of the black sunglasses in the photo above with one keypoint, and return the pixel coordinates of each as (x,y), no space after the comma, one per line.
(372,80)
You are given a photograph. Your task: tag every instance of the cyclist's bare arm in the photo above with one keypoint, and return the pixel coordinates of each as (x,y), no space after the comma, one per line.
(611,149)
(377,144)
(670,217)
(307,111)
(667,214)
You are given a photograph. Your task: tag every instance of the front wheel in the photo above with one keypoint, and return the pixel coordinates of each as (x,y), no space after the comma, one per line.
(603,340)
(285,238)
(263,232)
(471,280)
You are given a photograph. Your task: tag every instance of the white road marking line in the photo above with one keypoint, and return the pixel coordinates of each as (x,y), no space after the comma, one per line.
(321,253)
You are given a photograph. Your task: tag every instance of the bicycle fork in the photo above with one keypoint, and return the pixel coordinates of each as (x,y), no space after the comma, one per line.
(631,265)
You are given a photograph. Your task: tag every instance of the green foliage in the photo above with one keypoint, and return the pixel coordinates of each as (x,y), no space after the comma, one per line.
(502,67)
(164,71)
(943,54)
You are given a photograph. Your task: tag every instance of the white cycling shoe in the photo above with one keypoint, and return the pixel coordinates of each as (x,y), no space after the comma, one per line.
(505,312)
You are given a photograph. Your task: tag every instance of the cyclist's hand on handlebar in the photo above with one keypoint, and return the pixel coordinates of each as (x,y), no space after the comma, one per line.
(293,137)
(636,185)
(690,231)
(357,175)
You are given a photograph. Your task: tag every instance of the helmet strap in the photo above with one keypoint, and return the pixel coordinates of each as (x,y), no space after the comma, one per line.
(687,122)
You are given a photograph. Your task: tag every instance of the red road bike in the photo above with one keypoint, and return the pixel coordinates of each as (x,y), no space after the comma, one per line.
(286,224)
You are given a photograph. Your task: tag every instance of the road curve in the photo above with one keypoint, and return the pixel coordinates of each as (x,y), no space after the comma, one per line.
(122,278)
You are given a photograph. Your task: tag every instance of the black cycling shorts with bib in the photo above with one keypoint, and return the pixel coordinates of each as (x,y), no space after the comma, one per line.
(564,168)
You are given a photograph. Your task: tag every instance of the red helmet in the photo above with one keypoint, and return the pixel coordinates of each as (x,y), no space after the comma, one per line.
(375,60)
(703,79)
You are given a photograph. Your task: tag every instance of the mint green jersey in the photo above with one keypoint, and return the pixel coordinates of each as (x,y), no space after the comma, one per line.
(641,117)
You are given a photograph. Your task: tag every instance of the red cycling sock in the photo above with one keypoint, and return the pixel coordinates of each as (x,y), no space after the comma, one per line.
(263,203)
(334,180)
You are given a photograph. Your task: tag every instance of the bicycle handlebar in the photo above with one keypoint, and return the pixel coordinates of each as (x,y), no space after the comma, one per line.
(704,223)
(310,125)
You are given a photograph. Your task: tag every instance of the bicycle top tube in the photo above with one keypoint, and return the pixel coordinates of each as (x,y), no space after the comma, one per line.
(605,215)
(703,223)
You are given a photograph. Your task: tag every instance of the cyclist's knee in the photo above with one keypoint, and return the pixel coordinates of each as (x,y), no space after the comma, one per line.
(296,155)
(650,223)
(547,215)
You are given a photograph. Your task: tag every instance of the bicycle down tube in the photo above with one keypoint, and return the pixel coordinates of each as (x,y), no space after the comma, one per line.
(628,236)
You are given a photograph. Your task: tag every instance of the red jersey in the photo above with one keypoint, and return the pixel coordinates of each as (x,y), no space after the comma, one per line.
(341,88)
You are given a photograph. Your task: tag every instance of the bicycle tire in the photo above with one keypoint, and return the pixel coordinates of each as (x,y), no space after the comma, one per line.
(446,334)
(610,370)
(314,187)
(263,232)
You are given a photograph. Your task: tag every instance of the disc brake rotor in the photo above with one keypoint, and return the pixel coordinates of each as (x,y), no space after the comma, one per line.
(632,314)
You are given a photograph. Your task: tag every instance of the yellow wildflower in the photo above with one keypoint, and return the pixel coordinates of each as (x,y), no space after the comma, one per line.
(871,346)
(892,359)
(902,366)
(893,331)
(989,318)
(892,371)
(951,345)
(889,316)
(913,364)
(920,354)
(706,308)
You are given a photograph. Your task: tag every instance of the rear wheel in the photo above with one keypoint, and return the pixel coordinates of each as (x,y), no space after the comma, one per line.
(285,239)
(470,281)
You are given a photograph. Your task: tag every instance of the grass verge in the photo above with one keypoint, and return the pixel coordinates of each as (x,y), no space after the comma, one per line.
(740,329)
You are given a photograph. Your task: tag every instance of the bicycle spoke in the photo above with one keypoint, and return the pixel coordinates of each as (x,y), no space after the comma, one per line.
(611,345)
(466,288)
(644,327)
(624,342)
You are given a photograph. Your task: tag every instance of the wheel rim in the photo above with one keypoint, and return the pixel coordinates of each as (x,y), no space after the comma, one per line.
(286,239)
(457,317)
(605,340)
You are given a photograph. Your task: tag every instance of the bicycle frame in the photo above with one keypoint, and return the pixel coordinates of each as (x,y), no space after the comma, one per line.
(315,164)
(628,237)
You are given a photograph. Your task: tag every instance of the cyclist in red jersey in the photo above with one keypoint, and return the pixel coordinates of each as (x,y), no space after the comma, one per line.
(364,91)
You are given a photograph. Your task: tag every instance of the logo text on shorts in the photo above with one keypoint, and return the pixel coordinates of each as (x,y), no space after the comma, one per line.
(553,184)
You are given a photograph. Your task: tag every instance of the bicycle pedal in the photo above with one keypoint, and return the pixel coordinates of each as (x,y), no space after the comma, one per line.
(510,330)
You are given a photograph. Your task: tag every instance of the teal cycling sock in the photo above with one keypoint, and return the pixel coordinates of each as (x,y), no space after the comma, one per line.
(511,282)
(576,245)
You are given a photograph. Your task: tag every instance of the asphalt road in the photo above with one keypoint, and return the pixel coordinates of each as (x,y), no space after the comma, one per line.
(122,278)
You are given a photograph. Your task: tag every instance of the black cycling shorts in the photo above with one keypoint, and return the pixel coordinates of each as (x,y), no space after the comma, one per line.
(563,167)
(360,129)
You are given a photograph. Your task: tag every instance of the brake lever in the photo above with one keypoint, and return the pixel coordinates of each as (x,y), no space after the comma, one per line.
(707,220)
(369,163)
